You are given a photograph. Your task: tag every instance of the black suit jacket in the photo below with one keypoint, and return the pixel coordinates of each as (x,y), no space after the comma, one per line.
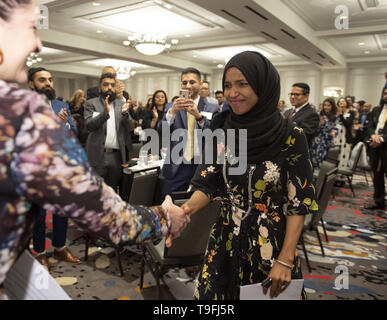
(381,152)
(308,120)
(94,93)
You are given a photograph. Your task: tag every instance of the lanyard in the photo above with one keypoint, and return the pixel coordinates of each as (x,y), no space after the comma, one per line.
(239,213)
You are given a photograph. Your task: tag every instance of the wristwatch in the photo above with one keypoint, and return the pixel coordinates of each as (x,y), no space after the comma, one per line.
(201,118)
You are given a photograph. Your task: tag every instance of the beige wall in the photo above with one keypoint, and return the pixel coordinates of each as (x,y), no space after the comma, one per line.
(365,81)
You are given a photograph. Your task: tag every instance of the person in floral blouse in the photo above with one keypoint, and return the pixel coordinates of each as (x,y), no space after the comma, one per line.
(262,211)
(42,165)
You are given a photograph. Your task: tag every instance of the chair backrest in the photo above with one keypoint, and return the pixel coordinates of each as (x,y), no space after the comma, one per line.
(194,238)
(325,167)
(355,156)
(143,188)
(333,155)
(325,194)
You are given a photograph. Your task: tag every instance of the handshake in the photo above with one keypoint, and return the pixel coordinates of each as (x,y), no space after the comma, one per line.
(179,218)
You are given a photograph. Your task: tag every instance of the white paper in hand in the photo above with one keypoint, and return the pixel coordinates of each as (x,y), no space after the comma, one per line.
(255,292)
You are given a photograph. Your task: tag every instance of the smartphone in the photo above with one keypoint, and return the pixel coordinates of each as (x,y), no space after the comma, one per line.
(184,93)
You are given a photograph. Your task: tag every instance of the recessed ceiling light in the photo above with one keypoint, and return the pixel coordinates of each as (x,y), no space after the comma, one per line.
(187,35)
(220,66)
(367,52)
(99,31)
(361,43)
(126,43)
(195,56)
(174,41)
(168,6)
(343,17)
(96,4)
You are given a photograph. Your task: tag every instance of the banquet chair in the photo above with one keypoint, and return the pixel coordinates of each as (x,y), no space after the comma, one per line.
(311,222)
(186,251)
(349,172)
(142,192)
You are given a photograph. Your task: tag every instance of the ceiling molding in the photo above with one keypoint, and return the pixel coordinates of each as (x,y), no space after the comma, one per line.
(267,18)
(353,31)
(98,48)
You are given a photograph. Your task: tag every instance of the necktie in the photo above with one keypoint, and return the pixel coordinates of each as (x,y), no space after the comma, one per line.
(189,149)
(291,114)
(385,117)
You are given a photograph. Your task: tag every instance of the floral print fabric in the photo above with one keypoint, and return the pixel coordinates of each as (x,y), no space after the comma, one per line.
(322,142)
(244,253)
(41,164)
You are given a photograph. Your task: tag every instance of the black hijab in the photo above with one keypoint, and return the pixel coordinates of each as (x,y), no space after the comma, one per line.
(267,130)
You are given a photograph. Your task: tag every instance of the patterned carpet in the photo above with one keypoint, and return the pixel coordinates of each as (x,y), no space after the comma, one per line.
(354,266)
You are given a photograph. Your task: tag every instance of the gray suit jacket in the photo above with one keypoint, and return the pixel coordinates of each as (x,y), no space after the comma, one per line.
(97,127)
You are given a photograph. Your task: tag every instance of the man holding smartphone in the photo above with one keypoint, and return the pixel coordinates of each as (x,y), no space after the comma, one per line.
(188,112)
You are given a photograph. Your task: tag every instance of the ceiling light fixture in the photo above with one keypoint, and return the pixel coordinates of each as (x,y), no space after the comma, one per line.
(151,45)
(32,59)
(96,4)
(124,73)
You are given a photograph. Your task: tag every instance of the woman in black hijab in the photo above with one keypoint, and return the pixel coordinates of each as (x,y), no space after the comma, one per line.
(253,237)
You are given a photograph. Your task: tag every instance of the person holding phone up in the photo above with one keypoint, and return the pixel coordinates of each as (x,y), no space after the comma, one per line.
(188,112)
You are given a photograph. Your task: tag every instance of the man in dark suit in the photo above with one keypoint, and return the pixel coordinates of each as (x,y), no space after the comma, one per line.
(376,138)
(302,114)
(109,124)
(41,81)
(120,93)
(184,113)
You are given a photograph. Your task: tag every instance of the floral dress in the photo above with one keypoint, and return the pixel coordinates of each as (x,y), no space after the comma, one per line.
(242,253)
(322,142)
(42,165)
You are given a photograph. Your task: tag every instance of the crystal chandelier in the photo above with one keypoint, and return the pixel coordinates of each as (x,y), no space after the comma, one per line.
(124,73)
(150,45)
(32,59)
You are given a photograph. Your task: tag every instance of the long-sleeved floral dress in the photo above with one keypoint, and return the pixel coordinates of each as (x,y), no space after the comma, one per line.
(243,253)
(322,142)
(41,164)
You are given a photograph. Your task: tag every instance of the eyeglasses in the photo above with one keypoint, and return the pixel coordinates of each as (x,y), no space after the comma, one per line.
(295,94)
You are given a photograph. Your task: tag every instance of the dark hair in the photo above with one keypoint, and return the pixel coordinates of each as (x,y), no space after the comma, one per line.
(191,70)
(305,88)
(331,115)
(154,98)
(7,6)
(205,81)
(32,71)
(361,103)
(219,91)
(338,100)
(174,98)
(107,75)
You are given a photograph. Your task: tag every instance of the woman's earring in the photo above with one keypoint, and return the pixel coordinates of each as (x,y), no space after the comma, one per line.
(1,57)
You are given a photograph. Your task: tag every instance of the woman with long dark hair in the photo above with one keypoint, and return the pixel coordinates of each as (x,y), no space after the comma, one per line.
(326,133)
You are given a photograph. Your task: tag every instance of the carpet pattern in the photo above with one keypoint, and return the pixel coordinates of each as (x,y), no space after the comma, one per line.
(354,265)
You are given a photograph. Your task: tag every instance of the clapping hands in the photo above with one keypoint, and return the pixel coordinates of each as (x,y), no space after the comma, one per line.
(179,219)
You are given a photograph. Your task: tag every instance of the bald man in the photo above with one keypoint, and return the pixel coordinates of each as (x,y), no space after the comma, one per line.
(94,92)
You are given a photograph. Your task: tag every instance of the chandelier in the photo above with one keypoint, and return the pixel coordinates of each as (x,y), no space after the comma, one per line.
(32,59)
(124,73)
(150,45)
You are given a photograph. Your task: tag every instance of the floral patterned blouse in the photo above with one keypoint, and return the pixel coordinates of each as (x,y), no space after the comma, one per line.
(242,253)
(42,165)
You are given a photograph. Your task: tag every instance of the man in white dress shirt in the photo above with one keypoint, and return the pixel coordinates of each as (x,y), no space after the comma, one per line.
(109,123)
